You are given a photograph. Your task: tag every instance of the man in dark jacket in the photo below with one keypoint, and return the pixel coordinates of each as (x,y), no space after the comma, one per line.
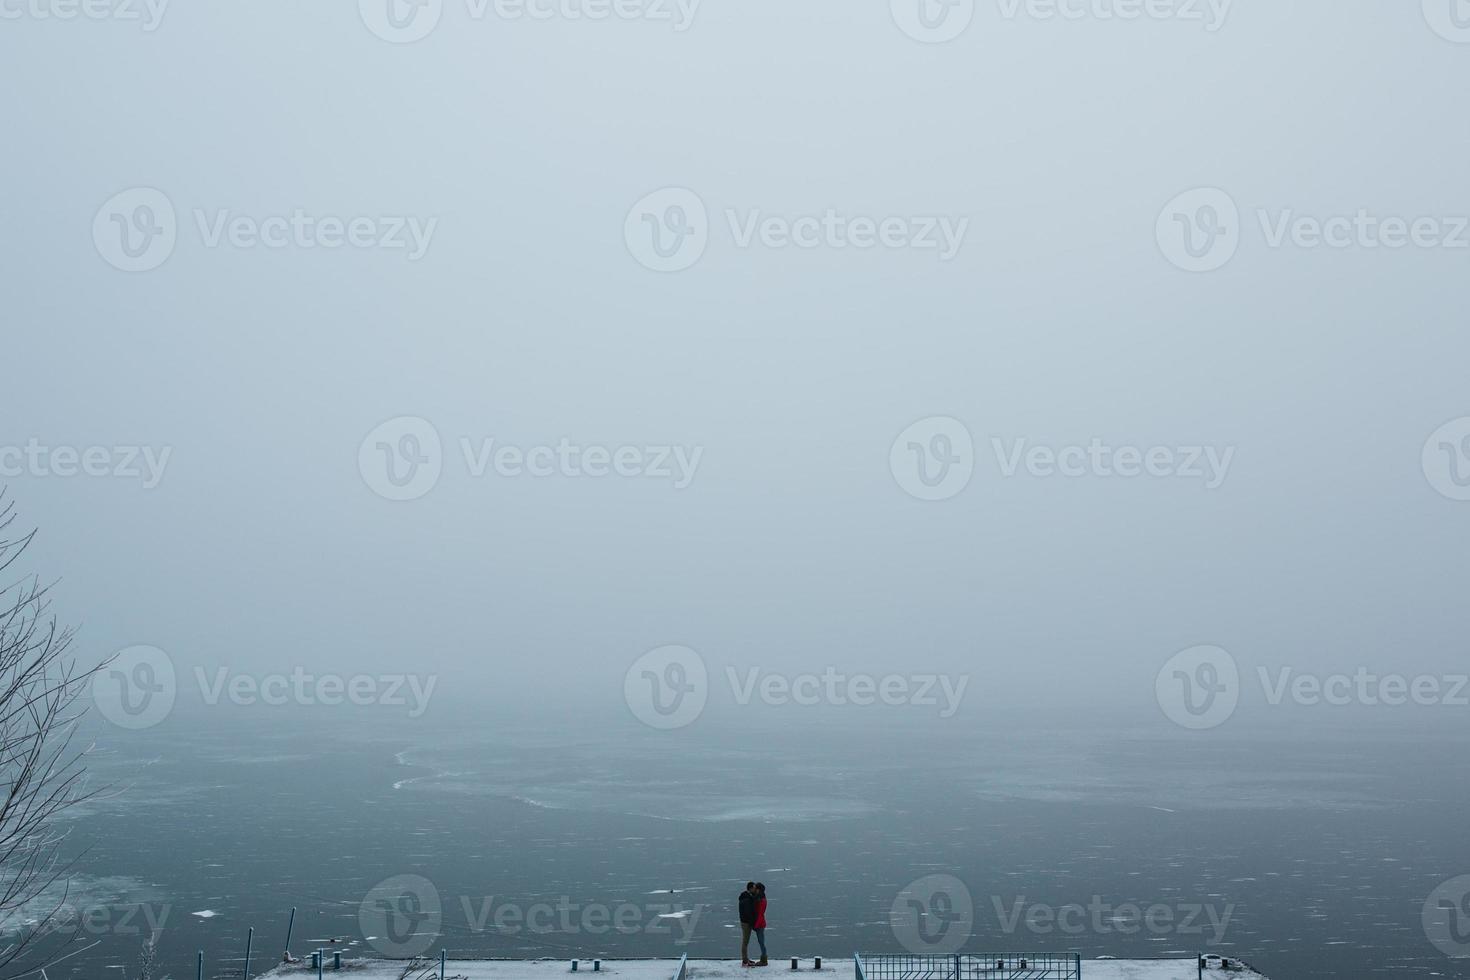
(747,921)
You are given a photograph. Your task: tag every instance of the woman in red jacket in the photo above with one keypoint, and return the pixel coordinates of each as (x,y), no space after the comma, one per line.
(760,921)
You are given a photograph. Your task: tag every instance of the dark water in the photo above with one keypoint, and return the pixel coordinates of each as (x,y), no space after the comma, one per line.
(1309,858)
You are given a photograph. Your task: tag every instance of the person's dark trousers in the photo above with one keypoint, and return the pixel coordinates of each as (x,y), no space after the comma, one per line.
(760,937)
(745,942)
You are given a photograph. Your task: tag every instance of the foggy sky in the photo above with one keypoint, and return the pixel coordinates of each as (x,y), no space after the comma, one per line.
(527,320)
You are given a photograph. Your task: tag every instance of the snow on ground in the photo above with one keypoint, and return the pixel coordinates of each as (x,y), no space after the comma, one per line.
(1157,970)
(834,969)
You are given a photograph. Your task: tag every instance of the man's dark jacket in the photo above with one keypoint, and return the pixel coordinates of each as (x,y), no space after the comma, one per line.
(747,908)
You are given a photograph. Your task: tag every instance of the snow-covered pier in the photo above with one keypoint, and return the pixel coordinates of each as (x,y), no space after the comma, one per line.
(842,968)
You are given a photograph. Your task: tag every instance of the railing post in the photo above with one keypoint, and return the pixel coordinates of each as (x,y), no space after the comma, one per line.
(290,928)
(200,972)
(443,955)
(249,942)
(957,966)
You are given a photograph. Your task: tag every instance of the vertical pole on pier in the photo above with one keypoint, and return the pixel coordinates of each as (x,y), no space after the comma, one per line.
(200,972)
(321,963)
(249,942)
(290,928)
(957,966)
(443,955)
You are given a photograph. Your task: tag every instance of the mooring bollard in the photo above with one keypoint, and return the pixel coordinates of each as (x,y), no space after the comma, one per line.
(795,963)
(574,966)
(597,966)
(818,964)
(336,961)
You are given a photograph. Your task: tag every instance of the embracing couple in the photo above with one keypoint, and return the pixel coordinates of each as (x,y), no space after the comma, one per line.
(753,919)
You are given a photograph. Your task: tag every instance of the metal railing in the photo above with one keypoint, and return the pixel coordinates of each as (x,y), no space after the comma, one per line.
(682,973)
(968,966)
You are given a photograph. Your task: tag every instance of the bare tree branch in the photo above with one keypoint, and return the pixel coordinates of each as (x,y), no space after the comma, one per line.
(41,772)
